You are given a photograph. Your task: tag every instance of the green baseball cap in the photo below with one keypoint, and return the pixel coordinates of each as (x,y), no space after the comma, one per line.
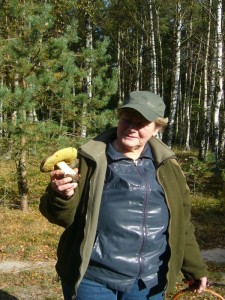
(149,105)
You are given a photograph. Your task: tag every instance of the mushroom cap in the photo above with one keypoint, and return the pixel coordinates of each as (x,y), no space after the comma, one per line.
(68,155)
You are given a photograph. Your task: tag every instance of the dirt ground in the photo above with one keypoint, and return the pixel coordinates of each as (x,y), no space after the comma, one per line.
(21,280)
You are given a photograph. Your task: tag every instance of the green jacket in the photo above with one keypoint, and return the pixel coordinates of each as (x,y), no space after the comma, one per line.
(79,214)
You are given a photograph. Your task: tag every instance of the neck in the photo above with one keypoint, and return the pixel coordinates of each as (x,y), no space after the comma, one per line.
(132,153)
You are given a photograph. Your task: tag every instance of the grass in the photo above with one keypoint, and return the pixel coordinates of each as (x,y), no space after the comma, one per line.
(208,215)
(28,236)
(29,285)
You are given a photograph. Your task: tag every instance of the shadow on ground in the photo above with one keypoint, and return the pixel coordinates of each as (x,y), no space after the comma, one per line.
(5,296)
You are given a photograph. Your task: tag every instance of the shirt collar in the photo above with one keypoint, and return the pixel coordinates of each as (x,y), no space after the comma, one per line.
(115,155)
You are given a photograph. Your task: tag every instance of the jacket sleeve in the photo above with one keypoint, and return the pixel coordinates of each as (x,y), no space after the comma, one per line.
(58,210)
(193,267)
(184,250)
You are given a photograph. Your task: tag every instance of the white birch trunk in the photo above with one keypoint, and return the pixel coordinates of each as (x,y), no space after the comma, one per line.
(203,149)
(161,78)
(222,143)
(140,58)
(120,58)
(194,82)
(119,66)
(74,112)
(153,80)
(187,97)
(175,92)
(89,45)
(33,116)
(219,95)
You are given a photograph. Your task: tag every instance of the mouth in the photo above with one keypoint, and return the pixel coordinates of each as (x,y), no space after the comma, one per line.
(132,137)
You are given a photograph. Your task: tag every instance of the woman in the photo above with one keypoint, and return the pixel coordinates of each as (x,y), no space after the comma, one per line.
(128,231)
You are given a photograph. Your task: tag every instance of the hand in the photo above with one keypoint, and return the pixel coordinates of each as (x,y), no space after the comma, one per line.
(202,284)
(199,285)
(62,185)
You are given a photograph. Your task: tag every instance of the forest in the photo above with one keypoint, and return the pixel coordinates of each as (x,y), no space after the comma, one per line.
(66,66)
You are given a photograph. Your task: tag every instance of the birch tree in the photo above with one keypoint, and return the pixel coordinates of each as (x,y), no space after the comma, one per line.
(89,47)
(207,101)
(140,49)
(160,54)
(119,52)
(219,94)
(187,97)
(176,75)
(153,79)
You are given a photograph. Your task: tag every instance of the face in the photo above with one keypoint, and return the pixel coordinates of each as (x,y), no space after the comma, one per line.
(133,131)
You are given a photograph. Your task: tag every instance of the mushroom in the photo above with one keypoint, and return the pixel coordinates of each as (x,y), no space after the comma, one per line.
(61,159)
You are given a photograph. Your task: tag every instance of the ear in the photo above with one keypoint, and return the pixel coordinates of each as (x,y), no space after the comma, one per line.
(157,128)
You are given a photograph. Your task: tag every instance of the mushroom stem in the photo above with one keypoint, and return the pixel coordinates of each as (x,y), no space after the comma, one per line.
(65,168)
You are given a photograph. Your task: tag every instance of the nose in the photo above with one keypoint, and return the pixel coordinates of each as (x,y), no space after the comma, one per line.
(134,126)
(131,130)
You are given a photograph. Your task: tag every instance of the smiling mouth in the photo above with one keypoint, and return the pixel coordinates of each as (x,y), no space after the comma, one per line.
(130,137)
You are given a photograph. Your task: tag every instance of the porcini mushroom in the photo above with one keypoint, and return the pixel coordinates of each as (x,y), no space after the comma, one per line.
(61,159)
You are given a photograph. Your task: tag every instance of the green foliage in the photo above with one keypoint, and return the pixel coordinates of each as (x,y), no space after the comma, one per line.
(203,177)
(191,165)
(101,121)
(45,71)
(194,167)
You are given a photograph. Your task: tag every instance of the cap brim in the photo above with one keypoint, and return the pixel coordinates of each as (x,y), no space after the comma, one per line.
(148,115)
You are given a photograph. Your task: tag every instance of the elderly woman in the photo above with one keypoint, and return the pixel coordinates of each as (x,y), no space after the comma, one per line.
(127,222)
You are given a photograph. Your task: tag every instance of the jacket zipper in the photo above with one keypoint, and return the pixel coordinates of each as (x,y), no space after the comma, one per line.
(144,228)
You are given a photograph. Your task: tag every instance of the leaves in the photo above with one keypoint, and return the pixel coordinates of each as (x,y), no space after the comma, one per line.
(28,236)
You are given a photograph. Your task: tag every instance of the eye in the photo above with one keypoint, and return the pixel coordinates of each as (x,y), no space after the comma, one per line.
(139,124)
(126,120)
(148,124)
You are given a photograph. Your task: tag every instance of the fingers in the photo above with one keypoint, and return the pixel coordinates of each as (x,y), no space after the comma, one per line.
(62,185)
(202,285)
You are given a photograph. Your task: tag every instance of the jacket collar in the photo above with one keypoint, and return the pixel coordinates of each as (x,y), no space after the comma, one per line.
(160,151)
(96,147)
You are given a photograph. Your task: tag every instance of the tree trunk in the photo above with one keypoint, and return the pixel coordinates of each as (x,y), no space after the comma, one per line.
(161,67)
(140,46)
(203,147)
(175,92)
(187,96)
(22,176)
(222,140)
(219,95)
(153,83)
(119,67)
(89,45)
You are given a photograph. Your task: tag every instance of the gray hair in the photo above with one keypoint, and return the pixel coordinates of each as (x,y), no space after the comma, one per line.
(161,122)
